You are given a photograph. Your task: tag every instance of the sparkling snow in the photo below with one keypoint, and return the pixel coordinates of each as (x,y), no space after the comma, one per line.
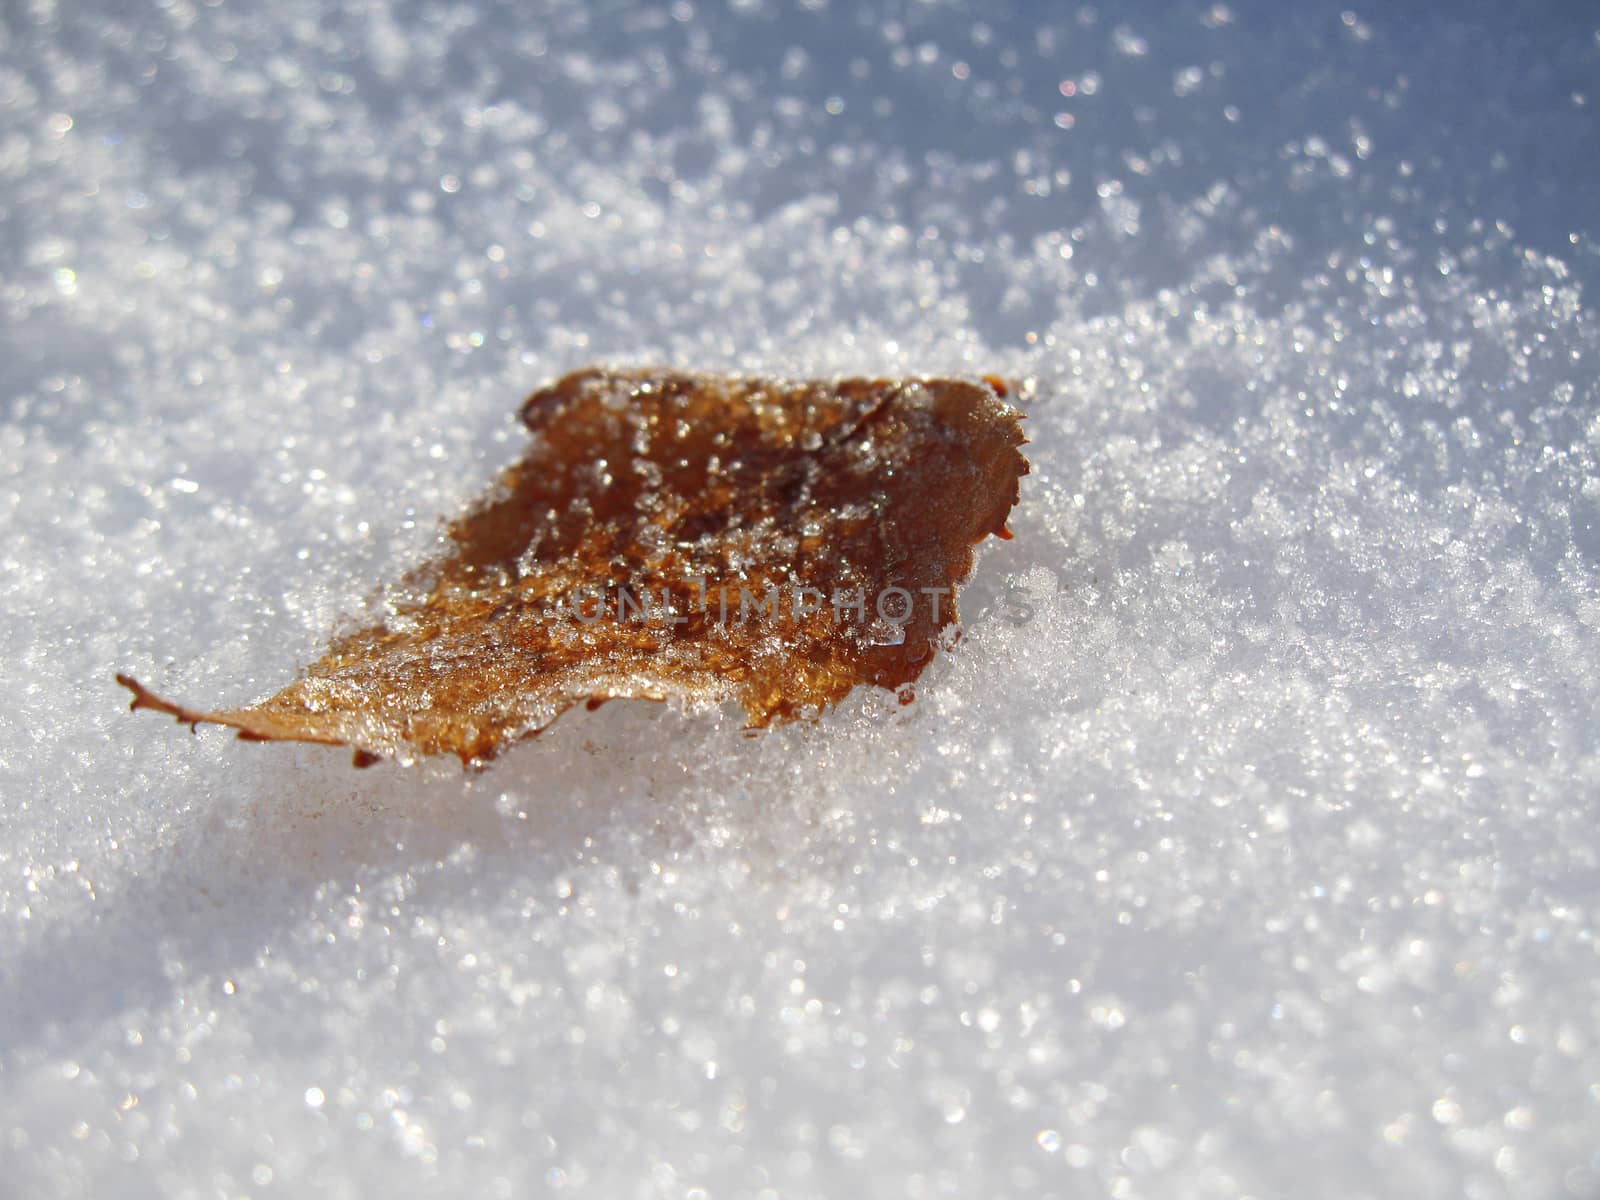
(1247,845)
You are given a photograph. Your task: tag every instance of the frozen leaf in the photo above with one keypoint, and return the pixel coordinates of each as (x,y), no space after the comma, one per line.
(674,536)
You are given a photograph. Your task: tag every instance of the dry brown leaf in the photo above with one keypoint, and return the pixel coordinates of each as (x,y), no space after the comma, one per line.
(674,536)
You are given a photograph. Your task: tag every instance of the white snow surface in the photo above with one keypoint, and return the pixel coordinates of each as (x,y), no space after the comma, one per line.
(1246,845)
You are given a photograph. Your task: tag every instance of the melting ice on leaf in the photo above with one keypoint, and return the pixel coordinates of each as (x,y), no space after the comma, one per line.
(673,536)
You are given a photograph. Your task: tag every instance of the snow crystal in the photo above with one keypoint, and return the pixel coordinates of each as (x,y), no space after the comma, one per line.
(1244,845)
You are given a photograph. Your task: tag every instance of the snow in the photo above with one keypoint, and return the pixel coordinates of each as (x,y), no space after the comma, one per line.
(1244,846)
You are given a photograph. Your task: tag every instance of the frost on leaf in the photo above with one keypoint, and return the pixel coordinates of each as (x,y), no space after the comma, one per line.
(673,536)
